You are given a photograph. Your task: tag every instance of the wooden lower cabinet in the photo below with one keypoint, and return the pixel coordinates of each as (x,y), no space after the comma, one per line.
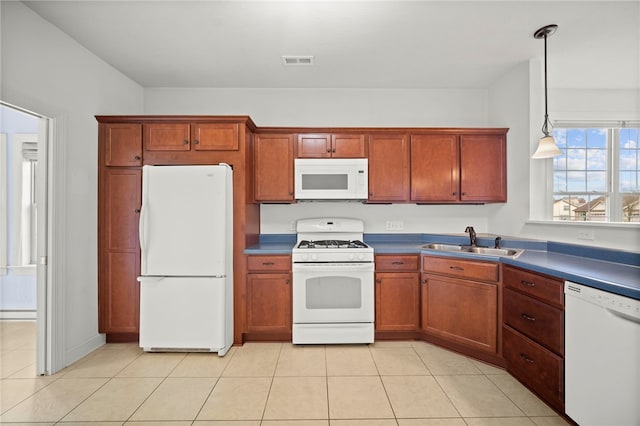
(461,311)
(459,302)
(268,307)
(397,301)
(397,294)
(533,332)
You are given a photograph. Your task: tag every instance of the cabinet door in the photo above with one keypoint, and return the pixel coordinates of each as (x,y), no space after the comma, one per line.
(215,137)
(460,311)
(122,144)
(434,168)
(273,171)
(269,303)
(388,168)
(314,146)
(483,170)
(397,301)
(167,137)
(120,252)
(348,146)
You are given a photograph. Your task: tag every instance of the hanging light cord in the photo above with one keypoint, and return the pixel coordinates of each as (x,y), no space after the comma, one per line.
(545,125)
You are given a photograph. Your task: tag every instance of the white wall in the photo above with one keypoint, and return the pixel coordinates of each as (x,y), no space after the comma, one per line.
(45,71)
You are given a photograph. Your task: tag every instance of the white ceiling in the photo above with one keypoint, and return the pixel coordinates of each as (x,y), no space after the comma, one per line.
(355,44)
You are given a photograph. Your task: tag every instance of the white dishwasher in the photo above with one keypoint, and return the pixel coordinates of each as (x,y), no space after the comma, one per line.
(602,357)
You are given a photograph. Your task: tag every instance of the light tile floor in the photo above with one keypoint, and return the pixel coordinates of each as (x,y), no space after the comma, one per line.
(275,384)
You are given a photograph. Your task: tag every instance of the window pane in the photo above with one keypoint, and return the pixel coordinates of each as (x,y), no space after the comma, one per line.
(576,138)
(576,181)
(596,159)
(596,181)
(597,138)
(628,159)
(576,159)
(630,208)
(629,181)
(594,209)
(560,182)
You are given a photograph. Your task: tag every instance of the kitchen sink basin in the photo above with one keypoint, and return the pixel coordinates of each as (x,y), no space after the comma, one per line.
(494,251)
(476,250)
(443,247)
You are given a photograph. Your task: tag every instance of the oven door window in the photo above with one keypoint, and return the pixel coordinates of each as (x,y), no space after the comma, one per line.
(333,292)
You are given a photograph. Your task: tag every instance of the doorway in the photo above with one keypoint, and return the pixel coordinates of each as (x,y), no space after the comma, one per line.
(24,160)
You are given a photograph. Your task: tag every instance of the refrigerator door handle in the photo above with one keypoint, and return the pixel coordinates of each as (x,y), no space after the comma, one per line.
(142,231)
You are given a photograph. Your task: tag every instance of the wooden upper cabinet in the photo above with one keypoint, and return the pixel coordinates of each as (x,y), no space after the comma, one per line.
(215,137)
(465,168)
(483,170)
(434,168)
(326,145)
(273,168)
(167,137)
(388,168)
(191,136)
(122,144)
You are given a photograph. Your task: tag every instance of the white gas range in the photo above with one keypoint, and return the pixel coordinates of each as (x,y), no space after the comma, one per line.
(333,283)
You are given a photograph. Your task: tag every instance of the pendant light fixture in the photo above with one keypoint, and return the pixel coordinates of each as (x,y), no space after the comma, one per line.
(547,147)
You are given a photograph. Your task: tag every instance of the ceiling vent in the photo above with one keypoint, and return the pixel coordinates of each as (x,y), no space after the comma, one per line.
(292,61)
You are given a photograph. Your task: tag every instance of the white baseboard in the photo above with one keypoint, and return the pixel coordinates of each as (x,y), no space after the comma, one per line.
(74,354)
(18,315)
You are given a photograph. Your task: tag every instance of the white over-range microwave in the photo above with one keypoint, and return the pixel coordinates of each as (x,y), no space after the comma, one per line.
(331,178)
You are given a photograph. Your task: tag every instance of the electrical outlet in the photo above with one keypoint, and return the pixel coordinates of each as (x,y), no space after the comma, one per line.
(586,235)
(394,225)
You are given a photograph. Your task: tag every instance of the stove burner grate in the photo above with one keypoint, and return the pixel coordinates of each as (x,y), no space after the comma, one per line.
(306,244)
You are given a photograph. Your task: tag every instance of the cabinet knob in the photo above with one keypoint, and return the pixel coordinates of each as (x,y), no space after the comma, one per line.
(186,142)
(287,281)
(378,280)
(454,193)
(464,193)
(137,210)
(196,142)
(137,158)
(329,150)
(333,150)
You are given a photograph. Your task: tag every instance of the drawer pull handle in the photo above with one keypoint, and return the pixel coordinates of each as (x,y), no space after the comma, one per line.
(268,263)
(456,268)
(528,317)
(527,283)
(397,263)
(526,358)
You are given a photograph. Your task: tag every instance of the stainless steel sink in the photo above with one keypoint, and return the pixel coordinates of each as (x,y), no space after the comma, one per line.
(476,250)
(494,251)
(443,247)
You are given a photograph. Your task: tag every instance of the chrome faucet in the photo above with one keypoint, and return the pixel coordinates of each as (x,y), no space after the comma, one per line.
(472,235)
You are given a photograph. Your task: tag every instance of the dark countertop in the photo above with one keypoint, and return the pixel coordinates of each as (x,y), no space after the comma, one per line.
(615,271)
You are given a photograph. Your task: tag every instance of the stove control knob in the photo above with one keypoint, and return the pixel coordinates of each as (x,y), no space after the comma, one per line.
(305,257)
(360,256)
(352,256)
(314,256)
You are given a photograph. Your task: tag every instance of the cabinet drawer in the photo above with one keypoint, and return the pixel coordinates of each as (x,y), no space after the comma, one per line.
(537,320)
(478,271)
(269,263)
(397,263)
(544,288)
(539,368)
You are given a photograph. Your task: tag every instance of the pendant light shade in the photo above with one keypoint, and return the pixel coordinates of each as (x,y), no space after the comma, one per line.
(547,147)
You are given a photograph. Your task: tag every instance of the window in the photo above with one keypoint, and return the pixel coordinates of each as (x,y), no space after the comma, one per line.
(596,179)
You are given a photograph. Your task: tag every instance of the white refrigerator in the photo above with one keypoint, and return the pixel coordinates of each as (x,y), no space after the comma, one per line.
(186,240)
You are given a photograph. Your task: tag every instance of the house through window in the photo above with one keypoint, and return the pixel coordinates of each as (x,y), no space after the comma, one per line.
(596,178)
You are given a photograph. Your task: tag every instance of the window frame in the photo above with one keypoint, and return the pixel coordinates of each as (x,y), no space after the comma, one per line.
(613,195)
